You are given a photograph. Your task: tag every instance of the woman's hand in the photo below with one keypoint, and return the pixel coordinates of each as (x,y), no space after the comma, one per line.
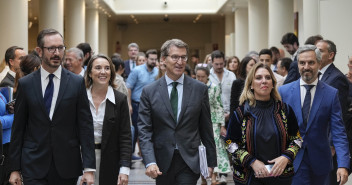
(259,169)
(279,166)
(122,179)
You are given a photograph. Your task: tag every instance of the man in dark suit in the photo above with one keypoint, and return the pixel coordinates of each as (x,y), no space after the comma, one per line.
(335,78)
(133,50)
(317,108)
(13,57)
(174,118)
(291,44)
(52,133)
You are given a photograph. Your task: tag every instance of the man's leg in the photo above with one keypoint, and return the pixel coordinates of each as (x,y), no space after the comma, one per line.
(53,177)
(135,107)
(183,174)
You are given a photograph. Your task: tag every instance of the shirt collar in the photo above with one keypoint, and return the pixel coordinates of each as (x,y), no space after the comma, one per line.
(109,94)
(45,74)
(301,82)
(169,80)
(324,69)
(12,73)
(82,72)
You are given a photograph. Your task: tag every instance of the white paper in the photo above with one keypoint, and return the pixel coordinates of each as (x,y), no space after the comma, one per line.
(269,167)
(203,161)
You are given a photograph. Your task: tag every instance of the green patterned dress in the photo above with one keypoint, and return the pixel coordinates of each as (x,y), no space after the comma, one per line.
(218,119)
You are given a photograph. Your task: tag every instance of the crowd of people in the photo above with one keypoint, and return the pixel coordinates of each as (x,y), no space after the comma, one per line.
(69,116)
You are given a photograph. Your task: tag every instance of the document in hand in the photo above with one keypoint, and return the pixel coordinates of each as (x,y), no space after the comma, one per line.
(203,161)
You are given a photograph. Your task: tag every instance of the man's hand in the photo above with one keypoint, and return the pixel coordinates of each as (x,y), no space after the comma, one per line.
(333,151)
(342,175)
(210,170)
(15,178)
(223,131)
(122,179)
(87,177)
(259,169)
(227,117)
(153,171)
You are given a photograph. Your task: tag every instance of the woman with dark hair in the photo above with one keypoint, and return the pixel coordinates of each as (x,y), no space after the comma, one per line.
(263,135)
(111,120)
(29,63)
(233,65)
(217,117)
(237,86)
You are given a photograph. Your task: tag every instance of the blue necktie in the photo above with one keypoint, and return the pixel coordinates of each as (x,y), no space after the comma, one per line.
(48,95)
(174,99)
(306,104)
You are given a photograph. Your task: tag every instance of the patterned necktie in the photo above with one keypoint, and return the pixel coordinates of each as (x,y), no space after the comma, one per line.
(48,95)
(306,104)
(174,99)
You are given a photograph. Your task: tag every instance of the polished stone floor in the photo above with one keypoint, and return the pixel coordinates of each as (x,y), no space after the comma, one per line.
(138,177)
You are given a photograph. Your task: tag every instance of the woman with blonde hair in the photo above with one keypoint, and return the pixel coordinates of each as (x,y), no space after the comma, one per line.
(263,135)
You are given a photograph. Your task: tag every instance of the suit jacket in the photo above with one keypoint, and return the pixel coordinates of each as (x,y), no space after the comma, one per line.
(335,78)
(324,117)
(8,81)
(116,148)
(36,140)
(159,133)
(293,72)
(127,68)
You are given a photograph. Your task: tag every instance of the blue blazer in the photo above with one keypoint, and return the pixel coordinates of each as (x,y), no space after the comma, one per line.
(127,68)
(325,117)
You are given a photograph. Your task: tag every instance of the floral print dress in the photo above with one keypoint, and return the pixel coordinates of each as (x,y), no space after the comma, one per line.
(218,120)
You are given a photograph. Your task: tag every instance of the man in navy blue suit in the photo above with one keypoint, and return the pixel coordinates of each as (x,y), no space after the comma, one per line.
(291,44)
(335,78)
(133,50)
(318,111)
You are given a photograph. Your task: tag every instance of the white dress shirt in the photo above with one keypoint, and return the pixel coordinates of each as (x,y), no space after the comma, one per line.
(304,91)
(82,72)
(44,76)
(131,64)
(322,71)
(225,86)
(98,114)
(179,88)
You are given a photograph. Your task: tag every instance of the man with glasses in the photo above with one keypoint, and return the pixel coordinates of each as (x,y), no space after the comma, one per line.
(133,50)
(174,118)
(140,76)
(52,134)
(13,57)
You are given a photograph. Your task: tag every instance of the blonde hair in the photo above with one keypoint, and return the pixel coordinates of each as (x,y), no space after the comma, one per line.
(248,94)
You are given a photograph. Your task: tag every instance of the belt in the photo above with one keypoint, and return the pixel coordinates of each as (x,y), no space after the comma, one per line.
(97,145)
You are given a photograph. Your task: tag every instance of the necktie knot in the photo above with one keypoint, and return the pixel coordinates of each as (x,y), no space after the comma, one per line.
(308,87)
(174,84)
(51,76)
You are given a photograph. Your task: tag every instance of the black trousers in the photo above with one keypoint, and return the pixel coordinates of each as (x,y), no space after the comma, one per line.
(178,174)
(271,181)
(4,173)
(52,178)
(333,176)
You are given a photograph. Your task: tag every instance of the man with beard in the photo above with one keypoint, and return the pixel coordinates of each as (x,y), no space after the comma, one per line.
(52,134)
(140,76)
(291,44)
(318,111)
(87,52)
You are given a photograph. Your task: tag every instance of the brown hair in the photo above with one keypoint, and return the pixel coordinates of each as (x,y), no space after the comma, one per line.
(29,63)
(89,80)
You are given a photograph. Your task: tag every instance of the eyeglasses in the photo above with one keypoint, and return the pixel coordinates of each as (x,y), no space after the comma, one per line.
(176,58)
(53,49)
(202,65)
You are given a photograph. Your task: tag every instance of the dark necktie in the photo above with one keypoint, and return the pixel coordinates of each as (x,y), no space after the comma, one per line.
(306,104)
(174,99)
(48,95)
